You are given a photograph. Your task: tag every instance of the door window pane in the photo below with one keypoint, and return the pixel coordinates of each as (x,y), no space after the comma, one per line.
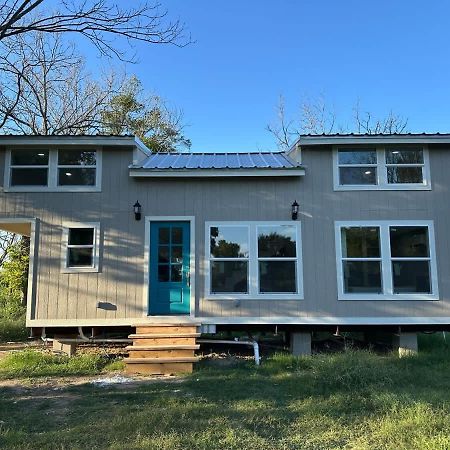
(163,235)
(409,242)
(405,156)
(358,175)
(29,177)
(175,272)
(360,242)
(411,277)
(276,241)
(177,254)
(177,235)
(81,236)
(29,157)
(277,276)
(76,177)
(76,158)
(398,174)
(229,276)
(79,257)
(163,254)
(163,273)
(357,156)
(229,242)
(362,277)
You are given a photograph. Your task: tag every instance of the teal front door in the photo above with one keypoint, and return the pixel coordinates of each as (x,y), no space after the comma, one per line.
(170,287)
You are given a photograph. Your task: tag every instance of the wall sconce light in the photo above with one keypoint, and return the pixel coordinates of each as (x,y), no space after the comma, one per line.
(295,206)
(137,210)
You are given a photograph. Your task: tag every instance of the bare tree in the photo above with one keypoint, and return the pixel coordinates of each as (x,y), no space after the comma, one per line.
(317,117)
(99,21)
(366,123)
(6,241)
(45,89)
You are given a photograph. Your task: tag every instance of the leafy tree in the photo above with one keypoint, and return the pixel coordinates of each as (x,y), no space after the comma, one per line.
(14,279)
(147,116)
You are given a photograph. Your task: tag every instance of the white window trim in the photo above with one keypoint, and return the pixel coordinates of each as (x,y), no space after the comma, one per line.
(386,266)
(253,259)
(52,168)
(382,184)
(65,248)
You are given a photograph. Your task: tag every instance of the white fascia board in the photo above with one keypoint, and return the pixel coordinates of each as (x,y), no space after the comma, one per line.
(350,140)
(215,173)
(74,141)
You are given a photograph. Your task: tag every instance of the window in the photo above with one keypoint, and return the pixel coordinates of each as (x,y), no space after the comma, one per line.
(81,247)
(76,168)
(386,168)
(52,170)
(386,261)
(253,260)
(29,167)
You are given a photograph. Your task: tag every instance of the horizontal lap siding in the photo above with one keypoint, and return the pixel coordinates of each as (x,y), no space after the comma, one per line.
(120,280)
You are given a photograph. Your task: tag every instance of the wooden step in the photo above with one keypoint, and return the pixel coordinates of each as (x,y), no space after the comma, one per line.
(138,352)
(163,347)
(160,360)
(166,329)
(165,341)
(163,335)
(159,368)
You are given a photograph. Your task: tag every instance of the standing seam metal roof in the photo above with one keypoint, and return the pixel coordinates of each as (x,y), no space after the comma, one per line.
(179,161)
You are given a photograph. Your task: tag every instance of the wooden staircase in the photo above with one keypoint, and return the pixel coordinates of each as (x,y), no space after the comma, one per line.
(162,349)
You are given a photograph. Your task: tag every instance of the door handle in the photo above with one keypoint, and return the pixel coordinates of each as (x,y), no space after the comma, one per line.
(188,278)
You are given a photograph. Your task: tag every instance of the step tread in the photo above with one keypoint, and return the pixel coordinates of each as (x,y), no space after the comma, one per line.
(163,347)
(183,359)
(164,335)
(175,324)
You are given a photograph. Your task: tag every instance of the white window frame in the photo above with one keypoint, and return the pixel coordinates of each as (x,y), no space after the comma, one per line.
(52,168)
(253,262)
(65,268)
(386,260)
(381,166)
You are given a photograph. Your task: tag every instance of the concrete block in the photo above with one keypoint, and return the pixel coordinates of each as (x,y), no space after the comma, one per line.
(68,348)
(300,343)
(406,344)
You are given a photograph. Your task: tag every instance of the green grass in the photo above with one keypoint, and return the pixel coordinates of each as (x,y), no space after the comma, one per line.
(350,400)
(33,363)
(13,330)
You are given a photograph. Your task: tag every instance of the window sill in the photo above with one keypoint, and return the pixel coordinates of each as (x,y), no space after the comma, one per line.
(254,297)
(53,189)
(394,187)
(394,297)
(80,270)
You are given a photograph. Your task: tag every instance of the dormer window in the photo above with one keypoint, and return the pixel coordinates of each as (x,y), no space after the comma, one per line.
(31,170)
(387,168)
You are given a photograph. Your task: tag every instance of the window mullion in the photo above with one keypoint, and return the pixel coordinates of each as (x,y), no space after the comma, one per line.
(253,288)
(382,171)
(52,168)
(386,264)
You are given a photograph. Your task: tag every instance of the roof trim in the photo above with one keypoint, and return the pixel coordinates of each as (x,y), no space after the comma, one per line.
(409,138)
(95,140)
(215,173)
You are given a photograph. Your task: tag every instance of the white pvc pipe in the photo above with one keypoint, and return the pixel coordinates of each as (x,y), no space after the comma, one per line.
(253,344)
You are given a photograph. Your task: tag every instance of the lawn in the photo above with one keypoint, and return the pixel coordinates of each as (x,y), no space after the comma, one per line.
(348,400)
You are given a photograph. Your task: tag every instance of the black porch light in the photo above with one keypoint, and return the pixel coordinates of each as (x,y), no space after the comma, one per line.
(295,206)
(137,210)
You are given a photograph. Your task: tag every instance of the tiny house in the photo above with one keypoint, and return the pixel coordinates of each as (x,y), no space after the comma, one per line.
(342,230)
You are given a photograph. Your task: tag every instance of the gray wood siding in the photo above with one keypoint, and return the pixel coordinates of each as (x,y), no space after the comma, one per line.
(61,296)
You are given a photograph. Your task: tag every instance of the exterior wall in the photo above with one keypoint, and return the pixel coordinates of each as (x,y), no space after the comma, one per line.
(68,299)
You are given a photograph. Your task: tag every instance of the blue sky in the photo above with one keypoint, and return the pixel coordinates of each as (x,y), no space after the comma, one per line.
(389,54)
